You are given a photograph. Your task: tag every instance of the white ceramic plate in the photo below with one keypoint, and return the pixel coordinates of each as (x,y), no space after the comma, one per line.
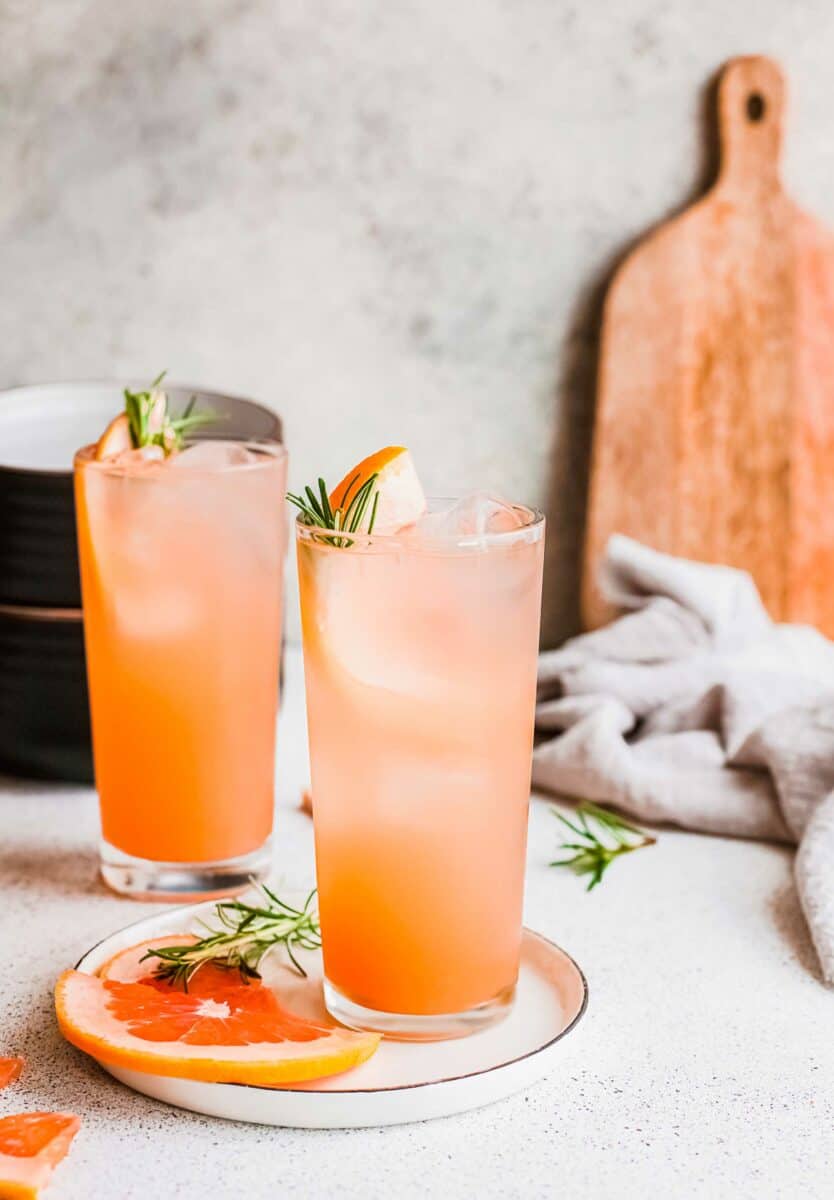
(402,1081)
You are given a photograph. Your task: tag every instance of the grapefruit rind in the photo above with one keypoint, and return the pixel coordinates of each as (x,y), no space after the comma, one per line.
(85,1020)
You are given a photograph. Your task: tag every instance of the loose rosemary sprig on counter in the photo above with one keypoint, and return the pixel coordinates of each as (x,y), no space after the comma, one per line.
(248,932)
(152,425)
(317,510)
(602,837)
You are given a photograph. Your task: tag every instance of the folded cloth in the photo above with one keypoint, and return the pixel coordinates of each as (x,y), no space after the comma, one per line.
(696,709)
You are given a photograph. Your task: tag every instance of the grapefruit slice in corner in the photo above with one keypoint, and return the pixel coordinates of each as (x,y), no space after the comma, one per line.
(10,1069)
(243,1035)
(31,1146)
(401,497)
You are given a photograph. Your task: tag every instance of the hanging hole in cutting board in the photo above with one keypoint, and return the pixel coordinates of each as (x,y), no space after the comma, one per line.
(756,107)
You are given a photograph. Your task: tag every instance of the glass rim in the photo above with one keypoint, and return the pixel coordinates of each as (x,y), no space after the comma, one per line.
(272,451)
(322,538)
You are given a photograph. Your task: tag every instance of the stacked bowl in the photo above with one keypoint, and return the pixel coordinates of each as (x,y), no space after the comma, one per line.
(44,720)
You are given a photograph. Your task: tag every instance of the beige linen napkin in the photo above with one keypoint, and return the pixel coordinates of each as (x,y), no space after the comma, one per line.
(696,709)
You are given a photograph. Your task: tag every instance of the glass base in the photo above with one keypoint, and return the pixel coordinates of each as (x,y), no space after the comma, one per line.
(411,1027)
(142,879)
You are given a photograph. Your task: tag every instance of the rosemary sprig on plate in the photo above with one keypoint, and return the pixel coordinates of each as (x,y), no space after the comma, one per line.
(601,836)
(246,935)
(150,422)
(316,509)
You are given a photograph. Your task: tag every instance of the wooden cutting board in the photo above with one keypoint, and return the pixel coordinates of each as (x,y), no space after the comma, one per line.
(714,434)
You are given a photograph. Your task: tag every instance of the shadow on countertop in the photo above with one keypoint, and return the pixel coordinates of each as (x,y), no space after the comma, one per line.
(33,868)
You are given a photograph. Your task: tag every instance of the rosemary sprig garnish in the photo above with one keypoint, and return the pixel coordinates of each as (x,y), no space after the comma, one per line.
(150,422)
(601,836)
(246,935)
(316,509)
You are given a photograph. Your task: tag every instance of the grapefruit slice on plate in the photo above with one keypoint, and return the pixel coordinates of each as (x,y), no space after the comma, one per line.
(31,1146)
(10,1069)
(401,497)
(240,1035)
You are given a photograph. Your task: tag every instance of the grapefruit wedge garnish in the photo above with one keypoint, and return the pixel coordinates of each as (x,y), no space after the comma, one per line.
(241,1034)
(115,439)
(146,424)
(401,499)
(131,966)
(10,1069)
(31,1146)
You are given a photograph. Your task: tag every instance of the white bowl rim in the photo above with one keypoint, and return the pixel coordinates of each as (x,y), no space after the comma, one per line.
(77,385)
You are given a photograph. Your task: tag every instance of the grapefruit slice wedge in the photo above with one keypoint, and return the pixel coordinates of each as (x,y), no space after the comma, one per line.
(10,1069)
(243,1035)
(31,1146)
(401,497)
(115,439)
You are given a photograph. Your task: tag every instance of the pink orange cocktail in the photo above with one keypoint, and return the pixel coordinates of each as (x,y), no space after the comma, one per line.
(181,568)
(420,664)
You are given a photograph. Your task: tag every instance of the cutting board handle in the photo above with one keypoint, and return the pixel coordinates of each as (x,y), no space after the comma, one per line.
(751,107)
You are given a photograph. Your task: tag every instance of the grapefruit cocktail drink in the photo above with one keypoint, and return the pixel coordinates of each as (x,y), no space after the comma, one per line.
(181,568)
(420,664)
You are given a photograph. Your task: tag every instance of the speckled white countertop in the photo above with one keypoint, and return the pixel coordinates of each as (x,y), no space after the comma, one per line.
(706,1066)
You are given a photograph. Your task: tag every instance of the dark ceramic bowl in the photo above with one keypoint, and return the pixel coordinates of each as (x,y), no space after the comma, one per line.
(44,720)
(40,430)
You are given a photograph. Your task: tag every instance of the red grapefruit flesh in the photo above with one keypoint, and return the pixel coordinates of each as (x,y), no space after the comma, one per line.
(240,1035)
(10,1069)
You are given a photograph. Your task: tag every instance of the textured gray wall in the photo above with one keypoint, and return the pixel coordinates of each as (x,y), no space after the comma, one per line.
(390,219)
